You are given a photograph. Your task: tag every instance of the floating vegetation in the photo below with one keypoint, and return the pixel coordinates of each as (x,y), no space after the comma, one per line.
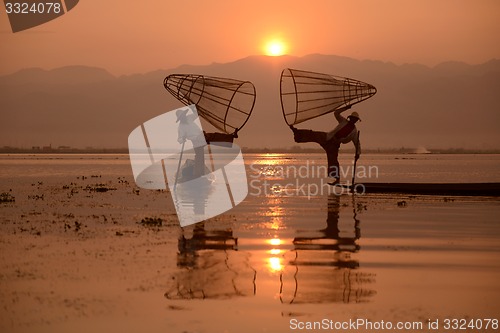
(37,197)
(151,222)
(361,207)
(77,226)
(99,188)
(122,180)
(7,197)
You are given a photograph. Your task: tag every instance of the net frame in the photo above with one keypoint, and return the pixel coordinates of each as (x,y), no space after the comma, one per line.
(307,95)
(209,92)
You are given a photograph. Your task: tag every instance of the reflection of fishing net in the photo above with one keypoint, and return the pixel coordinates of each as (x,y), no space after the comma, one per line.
(213,274)
(307,95)
(224,103)
(316,278)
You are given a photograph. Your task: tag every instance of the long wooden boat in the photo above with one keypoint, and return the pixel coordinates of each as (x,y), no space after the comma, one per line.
(465,189)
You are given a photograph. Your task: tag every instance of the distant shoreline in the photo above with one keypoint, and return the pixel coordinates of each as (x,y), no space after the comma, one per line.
(294,150)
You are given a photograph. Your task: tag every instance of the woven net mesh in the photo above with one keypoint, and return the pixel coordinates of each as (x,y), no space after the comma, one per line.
(225,103)
(307,95)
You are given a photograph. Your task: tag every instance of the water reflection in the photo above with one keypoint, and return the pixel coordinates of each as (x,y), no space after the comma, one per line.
(318,265)
(210,267)
(321,268)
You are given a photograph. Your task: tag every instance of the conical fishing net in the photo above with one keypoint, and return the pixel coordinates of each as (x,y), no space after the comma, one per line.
(307,95)
(225,103)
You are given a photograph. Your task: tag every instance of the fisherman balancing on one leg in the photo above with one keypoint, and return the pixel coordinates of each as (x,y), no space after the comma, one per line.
(189,130)
(344,132)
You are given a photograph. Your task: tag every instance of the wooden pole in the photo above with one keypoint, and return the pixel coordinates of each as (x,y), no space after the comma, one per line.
(179,165)
(355,162)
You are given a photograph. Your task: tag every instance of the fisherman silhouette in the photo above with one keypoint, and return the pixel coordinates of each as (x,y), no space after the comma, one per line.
(189,130)
(343,133)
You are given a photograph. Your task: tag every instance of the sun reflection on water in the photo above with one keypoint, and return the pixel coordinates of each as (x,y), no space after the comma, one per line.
(275,264)
(274,241)
(275,252)
(275,261)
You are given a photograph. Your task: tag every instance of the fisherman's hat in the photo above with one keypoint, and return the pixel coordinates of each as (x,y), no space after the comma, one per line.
(355,115)
(180,113)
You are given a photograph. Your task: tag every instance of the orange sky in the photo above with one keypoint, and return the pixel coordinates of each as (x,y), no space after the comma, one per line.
(127,36)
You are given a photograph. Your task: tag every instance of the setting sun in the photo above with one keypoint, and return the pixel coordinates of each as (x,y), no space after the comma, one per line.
(275,48)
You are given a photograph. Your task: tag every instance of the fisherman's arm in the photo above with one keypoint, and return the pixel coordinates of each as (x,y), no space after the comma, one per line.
(338,112)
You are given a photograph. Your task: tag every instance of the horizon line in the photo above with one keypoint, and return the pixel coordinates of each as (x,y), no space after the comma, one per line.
(290,149)
(252,56)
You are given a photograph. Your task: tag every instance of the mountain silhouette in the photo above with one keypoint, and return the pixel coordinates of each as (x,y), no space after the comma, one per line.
(450,105)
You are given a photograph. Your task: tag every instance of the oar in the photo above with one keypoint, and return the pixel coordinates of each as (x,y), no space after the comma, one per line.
(179,165)
(355,162)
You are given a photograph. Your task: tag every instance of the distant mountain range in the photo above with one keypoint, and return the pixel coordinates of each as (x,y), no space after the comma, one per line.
(450,105)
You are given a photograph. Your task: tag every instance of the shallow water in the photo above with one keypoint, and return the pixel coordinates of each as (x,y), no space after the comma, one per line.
(410,168)
(340,257)
(288,255)
(371,167)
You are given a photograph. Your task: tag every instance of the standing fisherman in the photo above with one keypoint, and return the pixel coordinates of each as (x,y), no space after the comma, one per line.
(189,130)
(344,132)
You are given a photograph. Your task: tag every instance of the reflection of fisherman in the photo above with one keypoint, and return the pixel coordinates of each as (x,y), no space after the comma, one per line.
(324,268)
(344,132)
(344,242)
(332,230)
(188,130)
(211,267)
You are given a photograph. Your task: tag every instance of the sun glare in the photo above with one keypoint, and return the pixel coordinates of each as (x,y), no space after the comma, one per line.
(275,48)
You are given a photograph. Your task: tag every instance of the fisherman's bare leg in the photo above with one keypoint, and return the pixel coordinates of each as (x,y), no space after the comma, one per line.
(302,136)
(331,148)
(332,155)
(219,137)
(199,161)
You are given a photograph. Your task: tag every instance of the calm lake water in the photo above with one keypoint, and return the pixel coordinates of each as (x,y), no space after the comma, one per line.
(371,167)
(286,258)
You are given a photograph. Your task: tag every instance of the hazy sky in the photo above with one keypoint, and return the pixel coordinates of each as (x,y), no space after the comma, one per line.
(127,36)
